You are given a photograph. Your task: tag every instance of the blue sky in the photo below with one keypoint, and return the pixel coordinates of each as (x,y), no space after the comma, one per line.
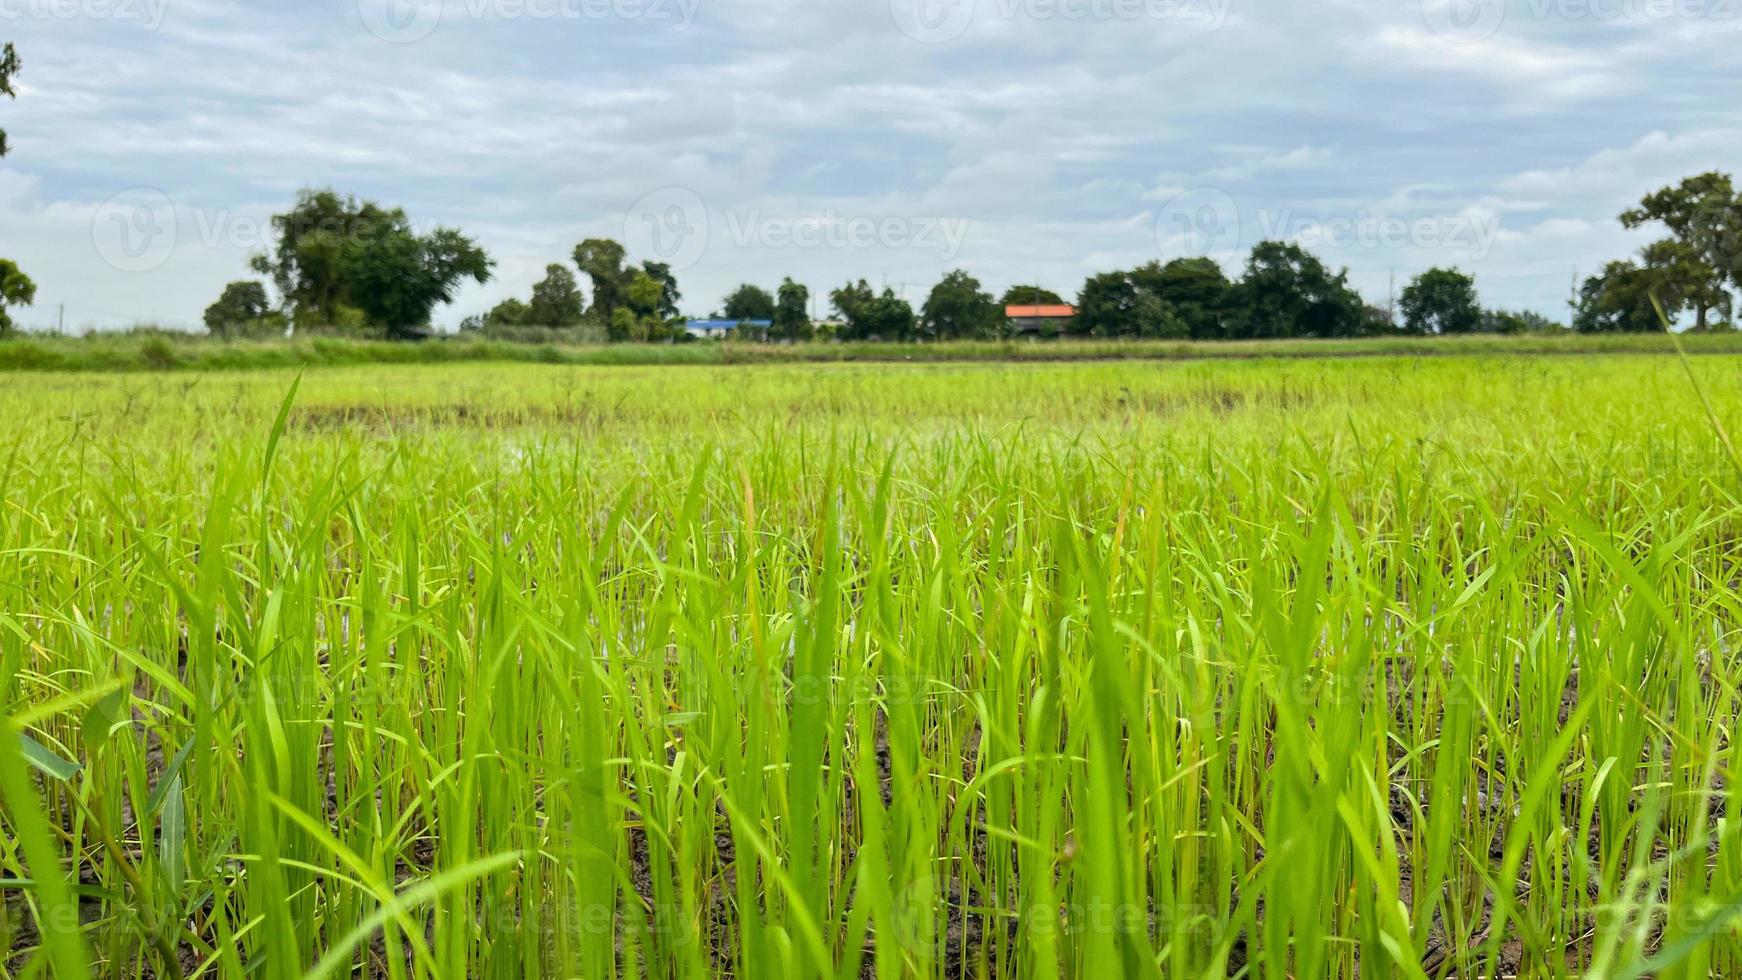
(894,140)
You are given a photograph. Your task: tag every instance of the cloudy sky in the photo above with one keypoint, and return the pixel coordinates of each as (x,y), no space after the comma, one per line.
(747,140)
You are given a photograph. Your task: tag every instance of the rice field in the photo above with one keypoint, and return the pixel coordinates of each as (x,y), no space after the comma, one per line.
(1391,667)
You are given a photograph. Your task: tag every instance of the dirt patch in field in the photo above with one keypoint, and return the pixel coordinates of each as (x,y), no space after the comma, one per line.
(398,418)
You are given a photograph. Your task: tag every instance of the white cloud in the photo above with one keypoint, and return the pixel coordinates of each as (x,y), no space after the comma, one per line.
(1055,140)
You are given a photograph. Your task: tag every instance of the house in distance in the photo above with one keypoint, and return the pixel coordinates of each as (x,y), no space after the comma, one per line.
(1041,321)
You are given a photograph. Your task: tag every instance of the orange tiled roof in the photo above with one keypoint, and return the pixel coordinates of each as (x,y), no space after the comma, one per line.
(1031,312)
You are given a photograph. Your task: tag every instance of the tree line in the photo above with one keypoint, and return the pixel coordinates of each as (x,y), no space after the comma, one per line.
(348,265)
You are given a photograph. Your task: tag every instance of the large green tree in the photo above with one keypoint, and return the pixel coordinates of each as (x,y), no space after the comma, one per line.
(556,300)
(1696,267)
(792,319)
(304,262)
(601,260)
(9,66)
(1107,306)
(1287,292)
(1619,300)
(16,289)
(749,302)
(397,277)
(1441,301)
(851,303)
(959,309)
(1195,288)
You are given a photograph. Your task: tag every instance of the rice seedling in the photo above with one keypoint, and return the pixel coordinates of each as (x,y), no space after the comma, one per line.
(1380,667)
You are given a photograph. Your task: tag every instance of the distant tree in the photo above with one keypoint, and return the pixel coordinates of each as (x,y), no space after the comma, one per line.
(644,300)
(642,294)
(1519,322)
(1441,301)
(556,300)
(623,327)
(749,302)
(1107,306)
(16,289)
(1698,264)
(1618,300)
(792,319)
(601,260)
(1288,292)
(1195,288)
(851,303)
(242,310)
(304,262)
(397,277)
(510,312)
(1156,318)
(9,66)
(669,297)
(958,309)
(1030,296)
(886,317)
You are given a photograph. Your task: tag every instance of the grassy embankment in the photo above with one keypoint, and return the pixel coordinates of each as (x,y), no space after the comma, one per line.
(160,352)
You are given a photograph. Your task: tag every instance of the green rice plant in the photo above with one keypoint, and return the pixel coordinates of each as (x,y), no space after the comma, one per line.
(1390,666)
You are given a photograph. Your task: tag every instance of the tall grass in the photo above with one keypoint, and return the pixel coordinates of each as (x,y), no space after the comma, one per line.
(161,351)
(1333,669)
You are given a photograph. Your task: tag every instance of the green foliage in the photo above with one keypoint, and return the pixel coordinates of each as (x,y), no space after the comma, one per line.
(792,320)
(958,309)
(304,263)
(16,289)
(1107,305)
(749,302)
(9,66)
(1031,296)
(1196,289)
(1410,667)
(243,311)
(1697,266)
(510,312)
(1186,298)
(1517,322)
(1619,300)
(872,317)
(1288,292)
(1441,301)
(850,304)
(601,260)
(666,308)
(556,300)
(888,317)
(397,278)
